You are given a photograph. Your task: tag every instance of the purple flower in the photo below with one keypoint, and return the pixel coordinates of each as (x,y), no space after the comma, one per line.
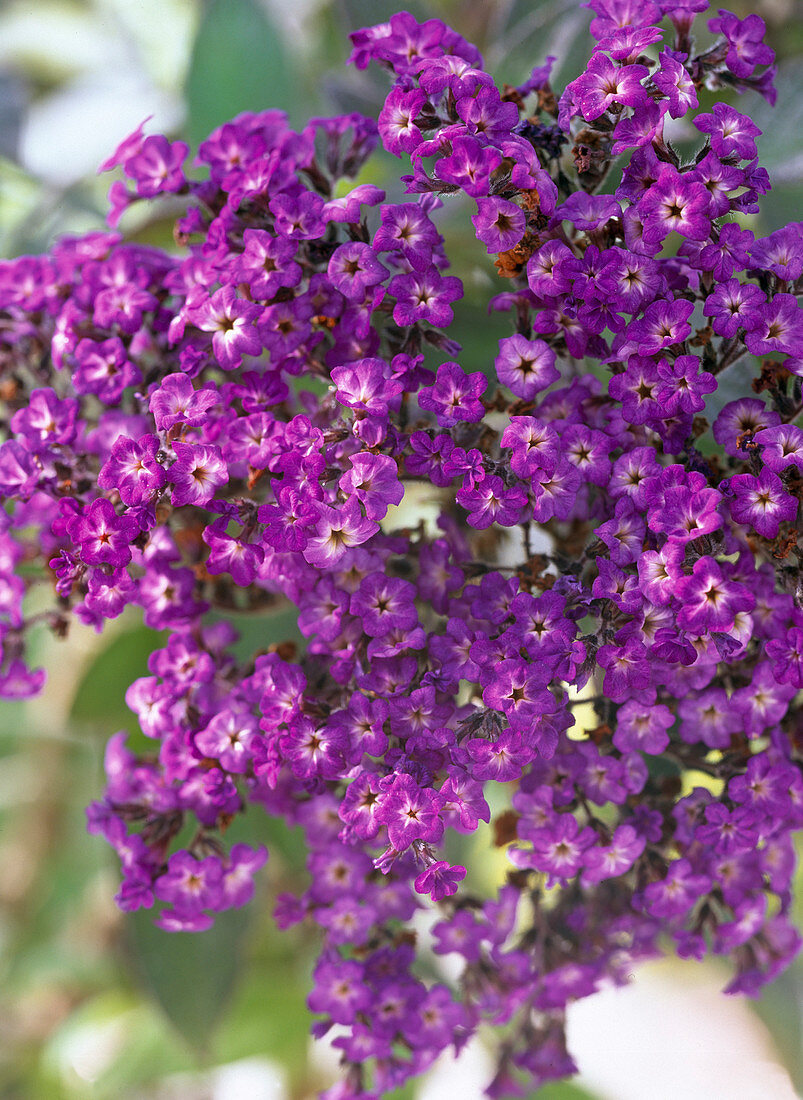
(615,858)
(746,49)
(486,113)
(384,603)
(133,470)
(176,402)
(739,421)
(632,476)
(548,269)
(637,388)
(198,472)
(517,690)
(674,204)
(190,884)
(288,522)
(682,385)
(728,254)
(776,326)
(525,366)
(761,502)
(374,480)
(348,208)
(469,166)
(502,760)
(313,752)
(128,147)
(535,446)
(102,536)
(396,121)
(298,217)
(781,253)
(588,211)
(104,369)
(354,269)
(424,296)
(123,306)
(642,727)
(409,812)
(733,305)
(463,934)
(720,180)
(238,873)
(17,681)
(640,129)
(676,894)
(488,501)
(339,989)
(558,850)
(626,669)
(231,321)
(498,223)
(266,264)
(710,600)
(781,446)
(366,385)
(612,15)
(229,738)
(156,166)
(238,558)
(46,421)
(336,531)
(614,584)
(439,880)
(407,229)
(731,133)
(664,324)
(555,492)
(455,395)
(676,84)
(605,83)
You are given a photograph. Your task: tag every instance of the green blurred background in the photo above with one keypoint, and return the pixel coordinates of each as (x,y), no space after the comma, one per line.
(97,1005)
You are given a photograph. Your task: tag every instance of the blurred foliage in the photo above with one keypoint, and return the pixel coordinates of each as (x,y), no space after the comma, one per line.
(100,1006)
(238,63)
(118,664)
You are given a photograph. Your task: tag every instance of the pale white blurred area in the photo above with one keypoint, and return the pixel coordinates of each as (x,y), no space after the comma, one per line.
(251,1078)
(116,61)
(112,63)
(109,107)
(671,1034)
(465,1076)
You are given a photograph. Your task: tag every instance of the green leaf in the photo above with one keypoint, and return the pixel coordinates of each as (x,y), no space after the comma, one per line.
(733,383)
(259,631)
(780,146)
(531,32)
(239,63)
(269,1017)
(19,195)
(562,1090)
(781,1008)
(191,975)
(125,1042)
(100,698)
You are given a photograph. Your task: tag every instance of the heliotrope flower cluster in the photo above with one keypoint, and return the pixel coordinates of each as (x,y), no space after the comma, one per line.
(235,425)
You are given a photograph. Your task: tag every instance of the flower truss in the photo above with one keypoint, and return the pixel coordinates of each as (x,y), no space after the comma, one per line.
(162,451)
